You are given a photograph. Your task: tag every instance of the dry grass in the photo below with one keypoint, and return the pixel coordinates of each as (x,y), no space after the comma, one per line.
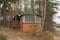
(18,35)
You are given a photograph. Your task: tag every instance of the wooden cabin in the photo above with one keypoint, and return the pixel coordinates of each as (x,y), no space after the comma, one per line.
(30,21)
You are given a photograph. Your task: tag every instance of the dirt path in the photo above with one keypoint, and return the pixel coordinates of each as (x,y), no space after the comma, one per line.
(56,37)
(11,37)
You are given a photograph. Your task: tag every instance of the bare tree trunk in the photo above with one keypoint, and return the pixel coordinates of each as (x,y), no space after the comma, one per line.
(4,18)
(32,5)
(25,6)
(44,14)
(41,12)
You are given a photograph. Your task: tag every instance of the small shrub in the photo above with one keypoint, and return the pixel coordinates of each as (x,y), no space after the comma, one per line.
(3,37)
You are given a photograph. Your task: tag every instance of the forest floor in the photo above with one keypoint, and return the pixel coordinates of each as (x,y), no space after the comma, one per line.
(56,37)
(18,35)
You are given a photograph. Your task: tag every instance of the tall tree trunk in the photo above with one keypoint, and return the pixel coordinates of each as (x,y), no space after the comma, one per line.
(25,6)
(32,5)
(4,18)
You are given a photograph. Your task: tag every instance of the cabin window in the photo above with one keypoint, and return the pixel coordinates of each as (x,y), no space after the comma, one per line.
(31,19)
(28,19)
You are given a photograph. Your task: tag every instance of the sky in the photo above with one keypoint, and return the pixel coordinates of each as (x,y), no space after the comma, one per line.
(56,19)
